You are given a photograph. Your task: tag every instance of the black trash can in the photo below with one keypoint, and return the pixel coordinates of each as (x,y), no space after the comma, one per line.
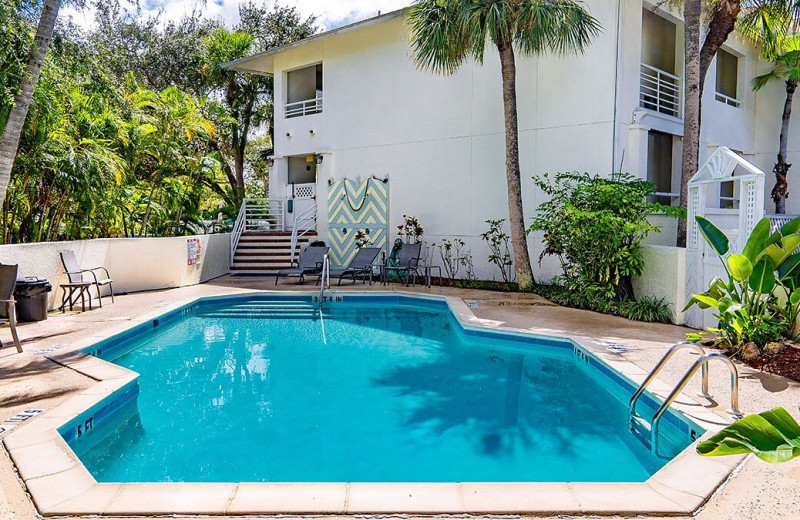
(31,295)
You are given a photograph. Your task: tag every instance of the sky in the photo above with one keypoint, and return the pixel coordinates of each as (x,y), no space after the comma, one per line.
(332,13)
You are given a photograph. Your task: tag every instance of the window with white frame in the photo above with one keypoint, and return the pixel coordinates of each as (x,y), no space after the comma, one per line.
(727,78)
(304,91)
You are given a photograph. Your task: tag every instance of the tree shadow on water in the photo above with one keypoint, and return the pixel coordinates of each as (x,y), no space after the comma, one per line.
(503,399)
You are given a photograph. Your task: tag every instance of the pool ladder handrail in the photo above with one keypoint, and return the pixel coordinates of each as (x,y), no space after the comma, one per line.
(703,361)
(325,277)
(652,375)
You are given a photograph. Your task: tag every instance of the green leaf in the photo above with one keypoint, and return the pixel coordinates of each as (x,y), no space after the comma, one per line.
(790,268)
(713,235)
(772,436)
(693,337)
(706,300)
(794,298)
(758,240)
(740,267)
(763,278)
(793,226)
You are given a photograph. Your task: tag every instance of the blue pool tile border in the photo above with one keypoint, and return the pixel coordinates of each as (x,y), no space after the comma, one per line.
(98,414)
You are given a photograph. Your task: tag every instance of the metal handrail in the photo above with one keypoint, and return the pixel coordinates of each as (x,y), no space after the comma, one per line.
(703,361)
(303,108)
(298,231)
(238,228)
(324,276)
(652,375)
(659,90)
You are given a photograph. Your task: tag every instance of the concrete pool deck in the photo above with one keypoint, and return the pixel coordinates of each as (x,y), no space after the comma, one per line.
(31,380)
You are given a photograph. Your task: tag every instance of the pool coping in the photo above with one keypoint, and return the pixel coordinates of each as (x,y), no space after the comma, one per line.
(60,485)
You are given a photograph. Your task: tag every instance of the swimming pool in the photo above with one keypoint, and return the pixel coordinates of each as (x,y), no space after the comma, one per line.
(370,389)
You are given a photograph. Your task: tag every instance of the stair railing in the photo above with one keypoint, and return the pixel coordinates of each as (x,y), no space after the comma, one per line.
(238,228)
(325,277)
(303,224)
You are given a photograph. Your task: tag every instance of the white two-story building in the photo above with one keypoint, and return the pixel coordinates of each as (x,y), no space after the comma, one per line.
(351,105)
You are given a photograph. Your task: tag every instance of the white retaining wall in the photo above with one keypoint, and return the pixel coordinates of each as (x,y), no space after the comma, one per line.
(664,276)
(135,264)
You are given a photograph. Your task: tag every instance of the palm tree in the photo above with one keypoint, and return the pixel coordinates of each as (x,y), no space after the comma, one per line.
(445,33)
(18,113)
(786,68)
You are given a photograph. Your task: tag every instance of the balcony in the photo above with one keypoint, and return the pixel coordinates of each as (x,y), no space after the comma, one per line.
(304,108)
(660,91)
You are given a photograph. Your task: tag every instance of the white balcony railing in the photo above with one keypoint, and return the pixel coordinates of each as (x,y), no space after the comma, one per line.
(660,91)
(727,99)
(304,108)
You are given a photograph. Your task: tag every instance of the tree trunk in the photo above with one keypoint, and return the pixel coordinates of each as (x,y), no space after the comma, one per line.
(519,242)
(691,107)
(16,118)
(781,169)
(722,24)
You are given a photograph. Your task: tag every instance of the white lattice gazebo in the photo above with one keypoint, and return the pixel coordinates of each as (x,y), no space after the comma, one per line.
(728,190)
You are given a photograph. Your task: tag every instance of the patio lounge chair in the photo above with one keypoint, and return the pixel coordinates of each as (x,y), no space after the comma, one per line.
(310,264)
(8,280)
(407,262)
(75,274)
(360,265)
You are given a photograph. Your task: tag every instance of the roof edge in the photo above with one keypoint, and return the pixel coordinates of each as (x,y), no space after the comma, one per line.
(239,64)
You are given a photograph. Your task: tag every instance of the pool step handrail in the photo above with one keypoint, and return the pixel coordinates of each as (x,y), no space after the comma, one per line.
(702,362)
(325,277)
(660,365)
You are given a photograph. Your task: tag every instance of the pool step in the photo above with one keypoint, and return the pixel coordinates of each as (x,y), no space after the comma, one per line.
(284,310)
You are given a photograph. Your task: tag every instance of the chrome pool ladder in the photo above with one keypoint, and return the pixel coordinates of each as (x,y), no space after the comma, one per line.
(325,277)
(701,363)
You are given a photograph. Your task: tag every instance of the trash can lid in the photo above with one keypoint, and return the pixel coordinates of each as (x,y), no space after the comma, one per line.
(31,280)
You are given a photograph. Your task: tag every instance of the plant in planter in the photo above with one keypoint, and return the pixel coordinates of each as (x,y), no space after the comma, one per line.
(759,301)
(410,230)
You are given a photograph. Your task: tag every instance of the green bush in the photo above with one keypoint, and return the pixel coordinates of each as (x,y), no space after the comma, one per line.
(645,309)
(761,299)
(595,226)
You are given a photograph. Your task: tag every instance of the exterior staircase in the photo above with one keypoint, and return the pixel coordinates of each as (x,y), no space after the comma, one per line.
(259,252)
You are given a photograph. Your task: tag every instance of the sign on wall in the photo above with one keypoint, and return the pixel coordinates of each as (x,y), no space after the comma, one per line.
(357,214)
(193,251)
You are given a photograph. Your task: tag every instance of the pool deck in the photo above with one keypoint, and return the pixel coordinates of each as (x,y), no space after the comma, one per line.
(38,378)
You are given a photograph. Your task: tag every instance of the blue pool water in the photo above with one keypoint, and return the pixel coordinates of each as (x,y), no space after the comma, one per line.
(258,390)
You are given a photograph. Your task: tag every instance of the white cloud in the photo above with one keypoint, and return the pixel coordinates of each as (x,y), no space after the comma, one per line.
(332,13)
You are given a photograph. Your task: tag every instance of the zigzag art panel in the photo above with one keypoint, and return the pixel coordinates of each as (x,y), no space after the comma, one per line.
(354,206)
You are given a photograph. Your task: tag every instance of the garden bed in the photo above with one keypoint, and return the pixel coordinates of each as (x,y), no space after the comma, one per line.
(786,363)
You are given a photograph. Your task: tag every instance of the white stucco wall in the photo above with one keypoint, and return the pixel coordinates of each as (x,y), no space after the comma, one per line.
(664,276)
(135,264)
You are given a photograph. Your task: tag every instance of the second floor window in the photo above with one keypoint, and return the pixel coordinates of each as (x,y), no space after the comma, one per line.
(727,78)
(304,91)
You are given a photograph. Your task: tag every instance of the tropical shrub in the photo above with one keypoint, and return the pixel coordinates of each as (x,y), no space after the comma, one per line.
(645,309)
(595,226)
(773,436)
(759,301)
(500,250)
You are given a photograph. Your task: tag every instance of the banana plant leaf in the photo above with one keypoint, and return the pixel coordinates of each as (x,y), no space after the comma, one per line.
(740,267)
(773,436)
(758,240)
(793,226)
(716,238)
(762,279)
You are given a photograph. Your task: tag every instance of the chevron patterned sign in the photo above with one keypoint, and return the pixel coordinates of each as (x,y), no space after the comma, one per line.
(354,206)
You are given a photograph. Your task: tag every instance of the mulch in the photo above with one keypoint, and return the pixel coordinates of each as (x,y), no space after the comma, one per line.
(786,364)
